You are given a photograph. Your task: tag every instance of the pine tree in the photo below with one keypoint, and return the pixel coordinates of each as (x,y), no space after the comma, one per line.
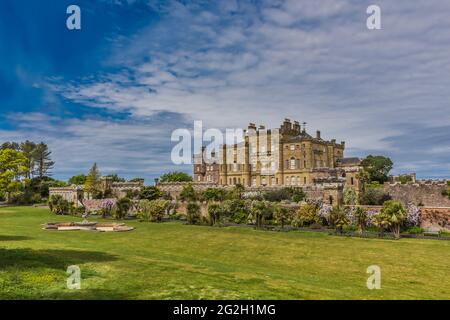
(28,148)
(92,184)
(44,164)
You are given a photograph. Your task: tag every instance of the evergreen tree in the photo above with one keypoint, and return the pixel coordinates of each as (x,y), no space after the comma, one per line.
(28,149)
(92,185)
(44,164)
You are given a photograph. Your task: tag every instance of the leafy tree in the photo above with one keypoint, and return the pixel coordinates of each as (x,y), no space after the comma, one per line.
(78,180)
(123,205)
(214,194)
(92,185)
(41,155)
(215,211)
(175,176)
(350,197)
(405,178)
(361,217)
(306,215)
(12,164)
(396,214)
(281,214)
(107,206)
(193,213)
(152,210)
(338,218)
(260,211)
(188,193)
(378,167)
(381,221)
(150,193)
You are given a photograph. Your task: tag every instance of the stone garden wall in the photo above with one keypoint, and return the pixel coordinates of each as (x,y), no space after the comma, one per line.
(426,193)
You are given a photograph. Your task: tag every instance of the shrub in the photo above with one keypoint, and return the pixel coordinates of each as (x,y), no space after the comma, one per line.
(414,230)
(152,210)
(193,213)
(413,216)
(374,196)
(306,215)
(107,206)
(150,193)
(278,195)
(123,205)
(58,204)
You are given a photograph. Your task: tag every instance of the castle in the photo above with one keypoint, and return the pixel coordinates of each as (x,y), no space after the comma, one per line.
(287,156)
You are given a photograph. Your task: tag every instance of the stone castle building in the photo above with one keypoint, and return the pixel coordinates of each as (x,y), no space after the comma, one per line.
(288,156)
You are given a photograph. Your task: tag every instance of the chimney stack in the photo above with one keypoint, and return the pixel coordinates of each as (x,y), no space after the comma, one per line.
(318,134)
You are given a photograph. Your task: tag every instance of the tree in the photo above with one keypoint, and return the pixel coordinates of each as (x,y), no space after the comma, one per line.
(92,183)
(12,164)
(378,167)
(123,205)
(281,214)
(150,193)
(307,214)
(188,193)
(41,155)
(260,211)
(10,145)
(28,148)
(215,211)
(361,218)
(214,194)
(78,179)
(374,196)
(152,210)
(238,190)
(338,218)
(381,221)
(396,214)
(175,176)
(193,213)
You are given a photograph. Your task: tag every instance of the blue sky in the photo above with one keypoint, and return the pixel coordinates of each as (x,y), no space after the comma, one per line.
(113,91)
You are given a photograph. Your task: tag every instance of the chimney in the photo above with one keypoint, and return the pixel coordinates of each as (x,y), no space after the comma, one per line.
(262,127)
(318,134)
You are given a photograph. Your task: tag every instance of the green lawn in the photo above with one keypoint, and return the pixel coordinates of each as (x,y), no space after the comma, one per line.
(176,261)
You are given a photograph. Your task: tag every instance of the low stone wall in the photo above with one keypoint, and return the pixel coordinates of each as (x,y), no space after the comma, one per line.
(327,192)
(426,193)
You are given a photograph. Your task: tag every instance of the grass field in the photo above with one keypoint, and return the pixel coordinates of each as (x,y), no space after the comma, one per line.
(176,261)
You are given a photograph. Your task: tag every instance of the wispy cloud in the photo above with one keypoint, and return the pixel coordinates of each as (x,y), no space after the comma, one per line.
(232,62)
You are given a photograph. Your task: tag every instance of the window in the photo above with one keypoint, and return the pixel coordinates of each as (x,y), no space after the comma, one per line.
(293,163)
(352,181)
(264,181)
(304,180)
(288,180)
(292,147)
(199,178)
(254,182)
(273,181)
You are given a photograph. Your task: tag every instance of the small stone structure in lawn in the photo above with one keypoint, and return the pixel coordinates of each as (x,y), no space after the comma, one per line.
(86,225)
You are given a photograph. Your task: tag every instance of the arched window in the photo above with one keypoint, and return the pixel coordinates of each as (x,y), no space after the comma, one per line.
(288,180)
